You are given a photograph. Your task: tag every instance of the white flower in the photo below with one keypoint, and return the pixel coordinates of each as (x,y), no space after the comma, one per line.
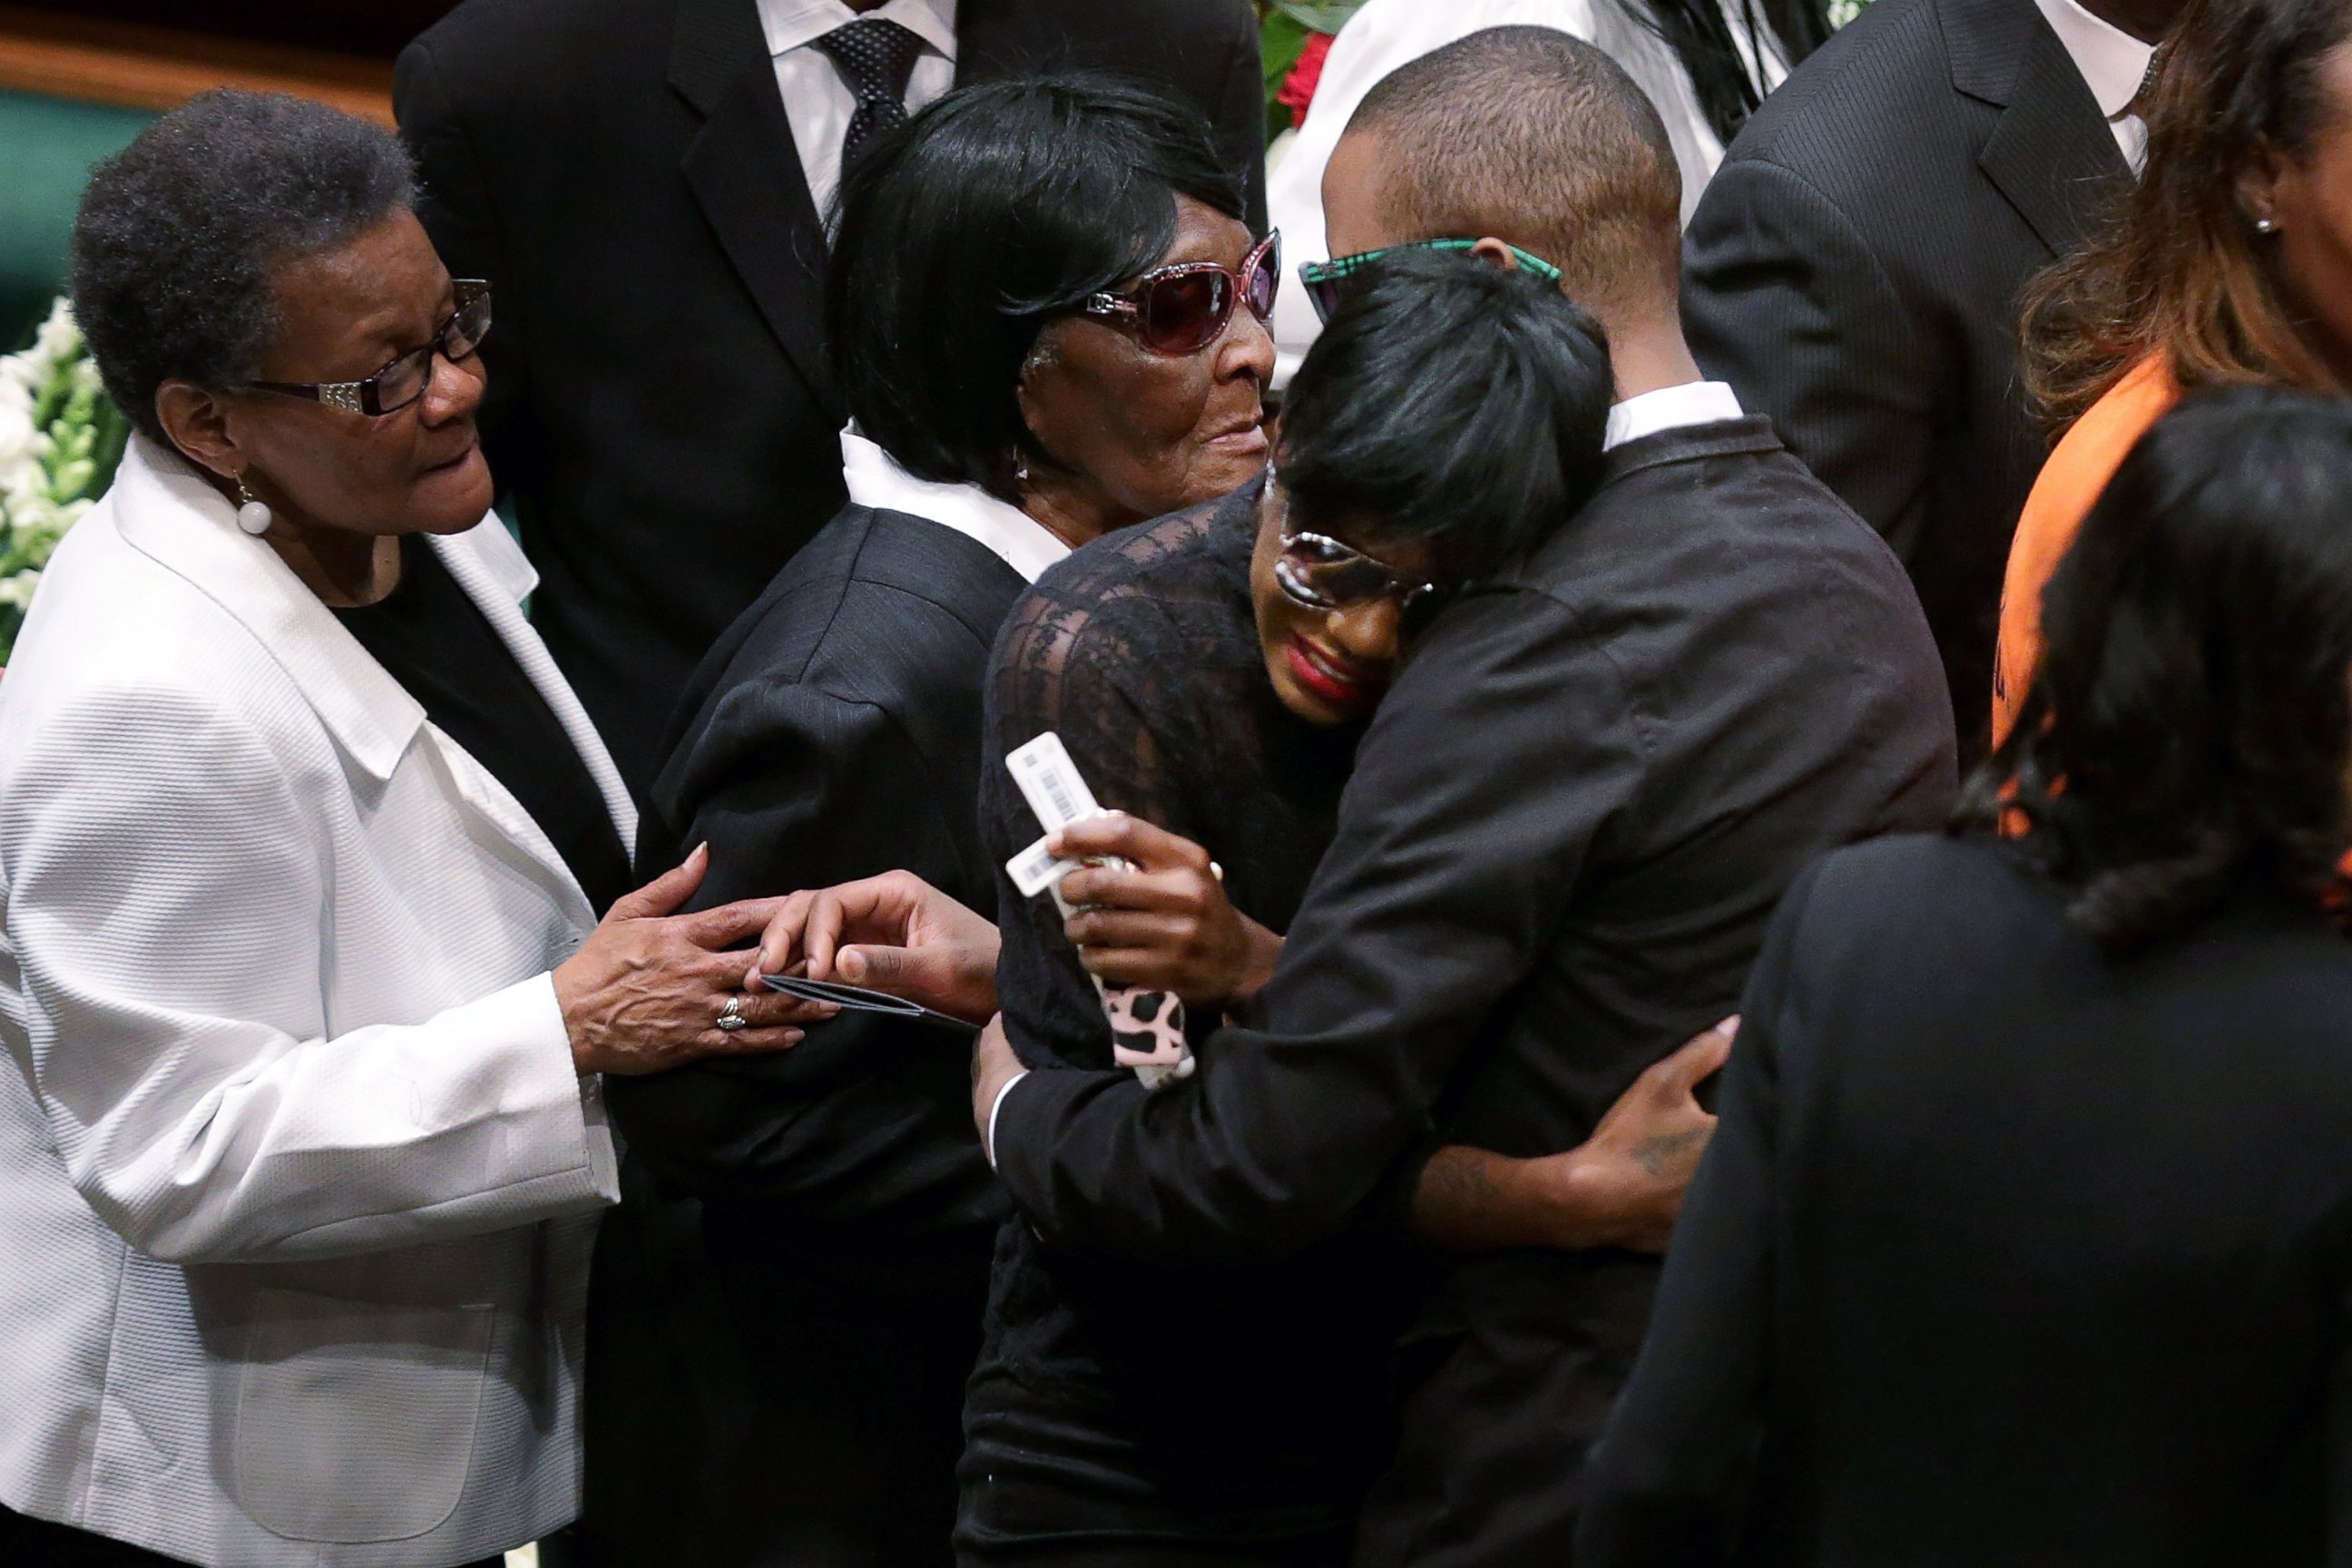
(23,480)
(17,435)
(16,591)
(31,516)
(25,373)
(59,340)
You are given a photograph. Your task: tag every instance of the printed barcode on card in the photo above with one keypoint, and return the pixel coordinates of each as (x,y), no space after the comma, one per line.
(1049,780)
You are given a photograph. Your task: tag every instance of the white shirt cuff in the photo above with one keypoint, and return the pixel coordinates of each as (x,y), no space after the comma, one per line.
(995,1109)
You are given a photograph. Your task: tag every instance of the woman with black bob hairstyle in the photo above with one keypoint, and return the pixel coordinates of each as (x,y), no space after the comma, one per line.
(2027,1229)
(1047,322)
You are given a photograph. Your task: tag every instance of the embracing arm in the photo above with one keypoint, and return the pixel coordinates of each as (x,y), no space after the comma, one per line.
(1450,872)
(1622,1187)
(1162,921)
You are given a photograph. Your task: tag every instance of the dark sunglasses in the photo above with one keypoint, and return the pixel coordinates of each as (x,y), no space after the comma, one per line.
(404,381)
(1326,281)
(1183,309)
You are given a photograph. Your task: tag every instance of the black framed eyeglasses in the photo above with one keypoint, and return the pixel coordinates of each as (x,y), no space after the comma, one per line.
(1182,309)
(1326,281)
(404,381)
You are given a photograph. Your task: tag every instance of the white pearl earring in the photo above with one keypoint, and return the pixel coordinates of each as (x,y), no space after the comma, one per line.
(252,515)
(2265,226)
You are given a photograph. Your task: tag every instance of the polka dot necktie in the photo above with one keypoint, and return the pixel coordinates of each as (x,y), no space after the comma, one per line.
(876,57)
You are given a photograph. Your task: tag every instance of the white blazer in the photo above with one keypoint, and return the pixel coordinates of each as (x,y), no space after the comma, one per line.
(296,1181)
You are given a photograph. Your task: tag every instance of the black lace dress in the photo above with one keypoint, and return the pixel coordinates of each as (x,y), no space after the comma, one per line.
(1122,1414)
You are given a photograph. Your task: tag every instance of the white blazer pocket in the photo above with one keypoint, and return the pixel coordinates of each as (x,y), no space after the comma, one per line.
(355,1421)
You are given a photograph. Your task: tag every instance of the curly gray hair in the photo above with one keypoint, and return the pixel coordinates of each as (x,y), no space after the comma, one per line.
(181,234)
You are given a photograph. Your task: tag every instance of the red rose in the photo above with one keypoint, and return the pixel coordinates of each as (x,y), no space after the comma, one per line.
(1298,86)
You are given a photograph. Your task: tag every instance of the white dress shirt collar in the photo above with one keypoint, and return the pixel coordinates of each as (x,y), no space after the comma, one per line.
(2112,61)
(794,24)
(1012,536)
(2113,64)
(1670,408)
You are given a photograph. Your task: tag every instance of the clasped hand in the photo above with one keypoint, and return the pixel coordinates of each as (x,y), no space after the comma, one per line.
(648,987)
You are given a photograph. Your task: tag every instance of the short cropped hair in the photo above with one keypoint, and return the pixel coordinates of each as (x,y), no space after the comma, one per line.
(1538,138)
(2189,728)
(996,209)
(182,235)
(1451,401)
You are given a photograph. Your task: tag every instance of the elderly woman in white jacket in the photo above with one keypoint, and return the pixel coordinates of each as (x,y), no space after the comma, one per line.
(303,842)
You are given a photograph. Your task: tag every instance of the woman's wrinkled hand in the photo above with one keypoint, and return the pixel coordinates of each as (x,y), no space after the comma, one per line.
(1162,922)
(895,933)
(1622,1187)
(648,988)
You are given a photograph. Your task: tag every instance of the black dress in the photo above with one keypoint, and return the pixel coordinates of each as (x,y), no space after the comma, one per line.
(2006,1253)
(1124,1413)
(436,643)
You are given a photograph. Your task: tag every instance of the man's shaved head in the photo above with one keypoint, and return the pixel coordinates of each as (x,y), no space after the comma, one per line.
(1533,137)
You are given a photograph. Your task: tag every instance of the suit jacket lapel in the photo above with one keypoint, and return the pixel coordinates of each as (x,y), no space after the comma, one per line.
(745,171)
(2051,153)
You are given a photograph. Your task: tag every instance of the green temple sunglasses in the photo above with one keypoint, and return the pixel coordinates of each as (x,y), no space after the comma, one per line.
(1325,281)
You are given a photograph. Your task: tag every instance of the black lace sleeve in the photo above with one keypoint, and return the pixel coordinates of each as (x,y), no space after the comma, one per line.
(1141,652)
(1092,655)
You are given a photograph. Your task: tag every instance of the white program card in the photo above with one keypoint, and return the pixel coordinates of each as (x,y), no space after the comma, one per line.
(1049,780)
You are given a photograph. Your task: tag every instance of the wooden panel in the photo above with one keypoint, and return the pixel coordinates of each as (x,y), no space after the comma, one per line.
(140,67)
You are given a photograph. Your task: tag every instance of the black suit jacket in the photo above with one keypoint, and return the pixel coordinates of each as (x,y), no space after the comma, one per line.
(1854,271)
(1568,823)
(847,1214)
(2003,1253)
(659,414)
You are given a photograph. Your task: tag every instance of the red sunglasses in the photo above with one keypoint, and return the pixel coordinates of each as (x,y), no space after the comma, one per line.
(1183,309)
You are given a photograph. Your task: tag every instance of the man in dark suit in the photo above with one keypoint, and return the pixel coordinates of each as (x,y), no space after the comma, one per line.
(1570,820)
(1855,268)
(633,177)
